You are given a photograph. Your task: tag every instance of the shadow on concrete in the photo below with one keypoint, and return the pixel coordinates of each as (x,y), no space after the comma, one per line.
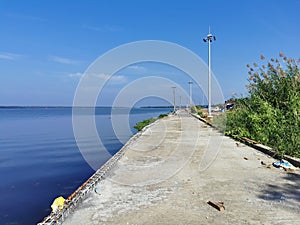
(286,190)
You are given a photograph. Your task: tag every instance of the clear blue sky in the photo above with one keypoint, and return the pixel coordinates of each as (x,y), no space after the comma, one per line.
(46,45)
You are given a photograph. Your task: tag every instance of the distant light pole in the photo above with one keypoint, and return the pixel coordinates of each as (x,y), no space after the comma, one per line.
(180,102)
(209,38)
(174,89)
(190,83)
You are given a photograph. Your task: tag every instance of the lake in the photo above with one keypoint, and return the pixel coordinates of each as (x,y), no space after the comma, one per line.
(39,158)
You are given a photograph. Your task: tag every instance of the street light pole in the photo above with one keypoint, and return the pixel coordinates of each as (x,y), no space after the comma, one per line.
(174,88)
(209,38)
(190,83)
(180,102)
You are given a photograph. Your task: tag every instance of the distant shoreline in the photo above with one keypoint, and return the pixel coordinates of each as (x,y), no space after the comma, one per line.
(21,107)
(146,107)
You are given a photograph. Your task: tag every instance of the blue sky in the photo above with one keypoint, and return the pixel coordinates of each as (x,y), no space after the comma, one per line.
(45,46)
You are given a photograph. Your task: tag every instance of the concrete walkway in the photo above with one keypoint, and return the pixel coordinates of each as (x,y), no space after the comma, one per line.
(177,165)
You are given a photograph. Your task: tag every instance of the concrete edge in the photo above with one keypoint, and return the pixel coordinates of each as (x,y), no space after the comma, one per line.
(80,193)
(262,148)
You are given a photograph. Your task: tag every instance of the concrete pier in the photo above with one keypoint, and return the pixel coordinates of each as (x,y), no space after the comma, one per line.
(170,172)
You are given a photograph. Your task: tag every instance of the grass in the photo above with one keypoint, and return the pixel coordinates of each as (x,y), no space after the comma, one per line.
(140,125)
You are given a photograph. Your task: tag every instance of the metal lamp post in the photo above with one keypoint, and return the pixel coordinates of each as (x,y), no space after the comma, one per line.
(174,96)
(190,83)
(180,102)
(209,38)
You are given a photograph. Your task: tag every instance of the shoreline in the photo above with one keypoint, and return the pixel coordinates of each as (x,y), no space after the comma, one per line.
(79,194)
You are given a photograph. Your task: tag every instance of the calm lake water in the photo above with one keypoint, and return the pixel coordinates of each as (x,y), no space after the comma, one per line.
(39,158)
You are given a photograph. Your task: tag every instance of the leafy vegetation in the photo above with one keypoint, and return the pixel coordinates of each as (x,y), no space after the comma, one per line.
(162,116)
(198,107)
(271,112)
(140,125)
(201,114)
(198,110)
(193,109)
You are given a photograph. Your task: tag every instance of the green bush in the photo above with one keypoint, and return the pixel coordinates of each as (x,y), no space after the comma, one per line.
(198,107)
(193,109)
(201,114)
(162,116)
(220,121)
(271,112)
(140,125)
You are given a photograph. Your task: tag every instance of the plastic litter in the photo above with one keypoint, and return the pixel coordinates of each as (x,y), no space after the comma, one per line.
(97,189)
(58,204)
(283,164)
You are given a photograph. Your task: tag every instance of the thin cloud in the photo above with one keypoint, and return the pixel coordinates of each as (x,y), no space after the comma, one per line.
(9,56)
(63,60)
(25,17)
(115,78)
(76,75)
(105,28)
(101,76)
(137,68)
